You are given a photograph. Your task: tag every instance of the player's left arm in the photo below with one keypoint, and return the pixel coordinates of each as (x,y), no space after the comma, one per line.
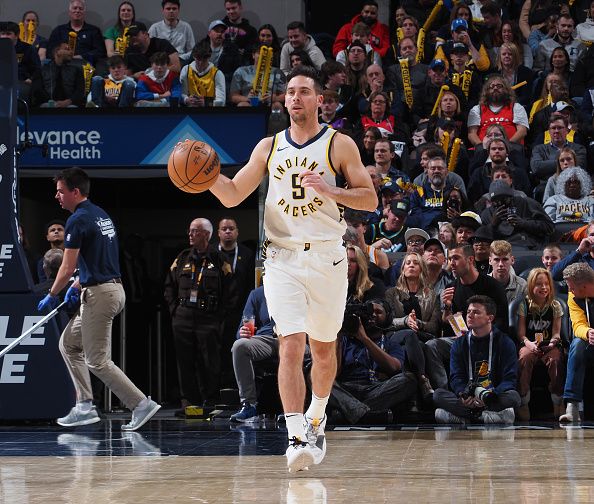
(66,270)
(360,194)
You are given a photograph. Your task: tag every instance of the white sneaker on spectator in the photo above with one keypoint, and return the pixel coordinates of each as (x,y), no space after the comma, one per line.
(506,416)
(140,416)
(572,413)
(77,417)
(300,455)
(316,437)
(443,416)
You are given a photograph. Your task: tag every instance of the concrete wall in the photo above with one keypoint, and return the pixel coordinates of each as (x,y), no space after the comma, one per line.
(198,13)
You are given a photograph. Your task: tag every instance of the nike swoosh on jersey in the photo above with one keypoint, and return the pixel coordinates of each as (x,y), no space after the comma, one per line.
(282,148)
(335,263)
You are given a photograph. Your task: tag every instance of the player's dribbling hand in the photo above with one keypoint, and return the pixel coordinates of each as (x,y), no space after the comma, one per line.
(314,181)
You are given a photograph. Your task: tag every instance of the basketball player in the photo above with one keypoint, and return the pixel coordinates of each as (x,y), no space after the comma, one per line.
(306,267)
(91,244)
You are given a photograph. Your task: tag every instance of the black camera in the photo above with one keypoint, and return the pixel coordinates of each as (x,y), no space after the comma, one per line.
(473,389)
(453,204)
(353,313)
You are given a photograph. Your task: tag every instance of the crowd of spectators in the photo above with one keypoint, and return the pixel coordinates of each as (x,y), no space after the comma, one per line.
(477,132)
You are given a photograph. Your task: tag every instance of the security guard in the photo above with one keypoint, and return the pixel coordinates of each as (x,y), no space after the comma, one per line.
(195,290)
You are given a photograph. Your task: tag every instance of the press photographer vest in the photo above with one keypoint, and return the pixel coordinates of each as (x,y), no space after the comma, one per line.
(202,85)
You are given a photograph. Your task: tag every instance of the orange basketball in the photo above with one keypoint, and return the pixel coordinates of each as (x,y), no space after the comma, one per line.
(193,166)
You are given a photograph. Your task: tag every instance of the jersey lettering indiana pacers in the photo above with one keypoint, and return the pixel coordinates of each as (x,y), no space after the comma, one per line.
(294,213)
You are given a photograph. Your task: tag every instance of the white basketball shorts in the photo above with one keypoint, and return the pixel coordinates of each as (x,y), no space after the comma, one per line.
(306,288)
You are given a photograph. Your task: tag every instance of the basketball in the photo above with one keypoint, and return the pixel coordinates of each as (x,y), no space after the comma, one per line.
(193,166)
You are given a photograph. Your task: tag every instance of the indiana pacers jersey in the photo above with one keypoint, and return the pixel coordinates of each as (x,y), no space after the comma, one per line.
(297,214)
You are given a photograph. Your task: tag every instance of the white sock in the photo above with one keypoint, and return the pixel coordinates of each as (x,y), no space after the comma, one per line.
(317,408)
(295,425)
(143,404)
(84,406)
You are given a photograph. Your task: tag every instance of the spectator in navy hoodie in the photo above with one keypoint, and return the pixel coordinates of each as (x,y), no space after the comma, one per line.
(483,372)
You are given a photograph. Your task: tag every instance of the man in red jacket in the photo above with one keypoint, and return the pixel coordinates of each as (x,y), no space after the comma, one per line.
(380,34)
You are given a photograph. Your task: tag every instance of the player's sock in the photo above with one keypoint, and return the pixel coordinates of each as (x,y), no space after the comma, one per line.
(317,408)
(295,425)
(84,406)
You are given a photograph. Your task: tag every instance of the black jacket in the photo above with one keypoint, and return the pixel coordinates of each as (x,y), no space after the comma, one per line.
(89,42)
(534,229)
(583,73)
(58,82)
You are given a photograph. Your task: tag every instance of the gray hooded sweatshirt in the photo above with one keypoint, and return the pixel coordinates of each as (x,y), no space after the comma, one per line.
(560,208)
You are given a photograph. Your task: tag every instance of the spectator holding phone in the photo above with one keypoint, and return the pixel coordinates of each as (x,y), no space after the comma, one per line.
(539,335)
(584,253)
(520,221)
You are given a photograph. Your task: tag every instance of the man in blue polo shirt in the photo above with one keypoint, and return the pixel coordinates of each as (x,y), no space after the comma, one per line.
(91,244)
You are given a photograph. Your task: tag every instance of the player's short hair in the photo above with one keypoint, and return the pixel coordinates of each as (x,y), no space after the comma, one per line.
(164,2)
(75,178)
(580,273)
(330,94)
(553,246)
(361,29)
(10,27)
(306,71)
(115,61)
(296,25)
(387,141)
(500,247)
(159,58)
(485,301)
(500,140)
(466,248)
(52,260)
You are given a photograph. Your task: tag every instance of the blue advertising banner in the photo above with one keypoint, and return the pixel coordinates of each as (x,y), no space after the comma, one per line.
(112,138)
(34,381)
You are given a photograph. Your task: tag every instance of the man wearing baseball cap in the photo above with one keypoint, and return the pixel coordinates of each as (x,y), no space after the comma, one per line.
(390,231)
(142,46)
(465,225)
(460,61)
(216,36)
(459,28)
(414,238)
(425,100)
(520,221)
(434,254)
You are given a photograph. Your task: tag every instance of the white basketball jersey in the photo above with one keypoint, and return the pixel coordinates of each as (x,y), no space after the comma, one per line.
(297,214)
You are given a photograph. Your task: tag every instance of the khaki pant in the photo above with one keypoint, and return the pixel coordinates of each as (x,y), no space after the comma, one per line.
(553,359)
(86,344)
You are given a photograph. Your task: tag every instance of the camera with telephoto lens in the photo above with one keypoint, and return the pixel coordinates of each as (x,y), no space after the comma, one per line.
(353,313)
(473,389)
(484,394)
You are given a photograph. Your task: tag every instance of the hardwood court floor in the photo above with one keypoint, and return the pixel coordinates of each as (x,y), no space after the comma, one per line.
(177,461)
